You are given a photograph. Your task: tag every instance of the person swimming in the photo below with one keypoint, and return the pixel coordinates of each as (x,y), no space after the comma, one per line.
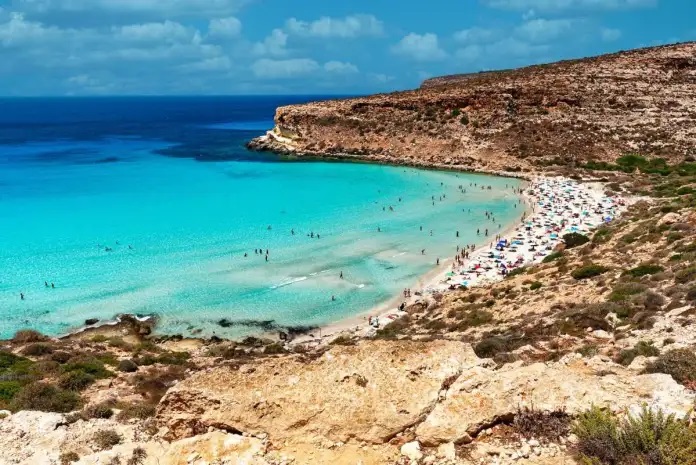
(21,295)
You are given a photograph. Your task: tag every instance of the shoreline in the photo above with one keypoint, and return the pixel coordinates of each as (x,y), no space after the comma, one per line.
(359,321)
(356,324)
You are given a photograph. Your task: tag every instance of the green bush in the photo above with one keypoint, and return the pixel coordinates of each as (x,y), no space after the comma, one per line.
(127,366)
(552,256)
(75,380)
(8,389)
(464,119)
(686,275)
(88,365)
(575,240)
(456,112)
(46,398)
(106,439)
(623,291)
(588,271)
(517,271)
(602,235)
(679,363)
(535,285)
(651,438)
(643,270)
(646,349)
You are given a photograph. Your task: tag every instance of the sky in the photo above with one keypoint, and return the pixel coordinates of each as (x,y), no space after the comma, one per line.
(342,47)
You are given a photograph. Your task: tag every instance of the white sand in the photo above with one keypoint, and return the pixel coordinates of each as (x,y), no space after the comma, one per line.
(558,206)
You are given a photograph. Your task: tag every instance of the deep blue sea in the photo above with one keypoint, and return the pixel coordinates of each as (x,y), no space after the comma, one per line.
(149,205)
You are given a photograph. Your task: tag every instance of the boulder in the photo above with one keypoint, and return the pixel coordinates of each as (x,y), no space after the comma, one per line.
(369,392)
(411,450)
(482,397)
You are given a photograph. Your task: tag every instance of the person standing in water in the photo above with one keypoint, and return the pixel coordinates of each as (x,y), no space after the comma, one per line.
(21,295)
(341,275)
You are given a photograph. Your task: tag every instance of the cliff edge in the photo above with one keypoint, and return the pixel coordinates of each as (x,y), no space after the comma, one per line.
(570,112)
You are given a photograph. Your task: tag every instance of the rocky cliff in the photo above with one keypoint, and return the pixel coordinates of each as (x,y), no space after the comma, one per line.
(640,101)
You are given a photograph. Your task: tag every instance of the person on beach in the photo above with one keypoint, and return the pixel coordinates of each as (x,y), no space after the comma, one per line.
(437,262)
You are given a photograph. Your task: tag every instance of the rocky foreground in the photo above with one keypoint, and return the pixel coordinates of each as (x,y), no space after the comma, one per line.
(586,358)
(565,113)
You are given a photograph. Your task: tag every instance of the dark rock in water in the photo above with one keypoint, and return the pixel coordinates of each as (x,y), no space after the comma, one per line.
(215,339)
(299,330)
(266,325)
(91,321)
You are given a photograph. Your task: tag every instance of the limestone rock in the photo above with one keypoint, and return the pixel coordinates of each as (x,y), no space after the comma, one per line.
(482,397)
(412,451)
(368,392)
(215,447)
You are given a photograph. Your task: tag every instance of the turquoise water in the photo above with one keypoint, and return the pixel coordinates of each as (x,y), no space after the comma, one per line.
(122,229)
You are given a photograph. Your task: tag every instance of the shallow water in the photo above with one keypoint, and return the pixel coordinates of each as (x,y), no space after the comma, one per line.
(123,217)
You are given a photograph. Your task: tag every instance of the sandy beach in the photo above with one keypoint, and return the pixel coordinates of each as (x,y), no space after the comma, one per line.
(553,207)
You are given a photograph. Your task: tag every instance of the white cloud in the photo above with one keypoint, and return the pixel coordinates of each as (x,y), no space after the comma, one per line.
(162,8)
(284,69)
(560,5)
(167,31)
(476,35)
(340,67)
(273,45)
(17,31)
(419,47)
(345,28)
(610,35)
(225,27)
(381,77)
(544,30)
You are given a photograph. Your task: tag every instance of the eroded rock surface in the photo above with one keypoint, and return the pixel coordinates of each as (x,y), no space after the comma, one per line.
(482,397)
(369,392)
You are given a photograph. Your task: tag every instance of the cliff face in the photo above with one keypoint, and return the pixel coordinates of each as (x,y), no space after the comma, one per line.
(641,101)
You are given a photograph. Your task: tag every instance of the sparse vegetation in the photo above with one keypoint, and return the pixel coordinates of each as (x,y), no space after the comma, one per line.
(140,411)
(547,426)
(644,348)
(679,363)
(106,439)
(572,240)
(643,270)
(589,271)
(648,438)
(45,397)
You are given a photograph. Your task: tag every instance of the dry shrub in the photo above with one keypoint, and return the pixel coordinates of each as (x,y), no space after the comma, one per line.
(106,439)
(548,426)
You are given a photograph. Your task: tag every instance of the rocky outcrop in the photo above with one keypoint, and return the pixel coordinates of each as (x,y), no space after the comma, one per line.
(482,397)
(369,393)
(567,112)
